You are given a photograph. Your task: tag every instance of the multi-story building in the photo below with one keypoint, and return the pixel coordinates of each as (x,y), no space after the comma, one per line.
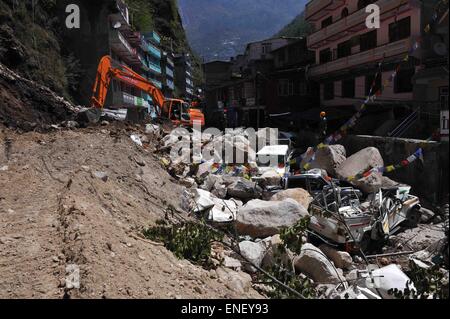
(111,33)
(431,80)
(348,54)
(183,75)
(290,90)
(168,67)
(140,52)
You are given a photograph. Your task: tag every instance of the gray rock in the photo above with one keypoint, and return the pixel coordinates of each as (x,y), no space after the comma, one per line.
(313,263)
(427,215)
(360,162)
(254,252)
(341,259)
(244,189)
(298,194)
(261,219)
(329,158)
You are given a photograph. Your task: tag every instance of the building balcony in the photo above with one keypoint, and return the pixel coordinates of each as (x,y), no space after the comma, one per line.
(170,84)
(122,18)
(155,68)
(169,72)
(190,91)
(353,23)
(123,48)
(170,62)
(150,48)
(154,37)
(370,56)
(189,74)
(125,100)
(317,9)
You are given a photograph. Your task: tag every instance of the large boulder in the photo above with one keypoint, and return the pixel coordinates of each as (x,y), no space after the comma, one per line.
(270,178)
(244,189)
(254,253)
(298,194)
(276,253)
(374,182)
(261,219)
(360,162)
(313,263)
(341,259)
(328,158)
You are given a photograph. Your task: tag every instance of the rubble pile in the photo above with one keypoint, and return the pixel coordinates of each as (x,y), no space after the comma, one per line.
(260,209)
(29,106)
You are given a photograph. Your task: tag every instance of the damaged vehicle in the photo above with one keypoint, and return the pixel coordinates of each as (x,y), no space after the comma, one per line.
(338,215)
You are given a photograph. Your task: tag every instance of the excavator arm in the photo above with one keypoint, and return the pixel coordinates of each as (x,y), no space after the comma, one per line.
(106,72)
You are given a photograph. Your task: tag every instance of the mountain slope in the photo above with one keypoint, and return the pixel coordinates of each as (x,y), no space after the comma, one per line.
(219,29)
(297,28)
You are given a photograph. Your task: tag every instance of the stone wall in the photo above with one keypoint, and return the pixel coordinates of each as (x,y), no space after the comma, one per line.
(430,180)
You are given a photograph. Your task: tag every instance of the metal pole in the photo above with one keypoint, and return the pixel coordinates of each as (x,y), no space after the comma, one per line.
(256,102)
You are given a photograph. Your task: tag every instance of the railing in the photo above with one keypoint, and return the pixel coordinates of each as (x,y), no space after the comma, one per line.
(154,37)
(376,54)
(154,50)
(404,126)
(170,84)
(354,19)
(169,72)
(154,67)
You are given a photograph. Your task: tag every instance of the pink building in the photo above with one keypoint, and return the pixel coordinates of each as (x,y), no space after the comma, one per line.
(348,53)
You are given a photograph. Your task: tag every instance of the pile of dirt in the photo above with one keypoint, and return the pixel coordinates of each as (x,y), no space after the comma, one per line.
(27,105)
(79,199)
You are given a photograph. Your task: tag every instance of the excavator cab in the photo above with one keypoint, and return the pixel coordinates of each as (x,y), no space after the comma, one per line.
(180,113)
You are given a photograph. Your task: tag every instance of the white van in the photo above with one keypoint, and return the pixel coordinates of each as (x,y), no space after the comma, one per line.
(273,158)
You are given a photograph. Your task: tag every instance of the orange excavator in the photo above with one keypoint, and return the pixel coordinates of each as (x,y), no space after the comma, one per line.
(177,111)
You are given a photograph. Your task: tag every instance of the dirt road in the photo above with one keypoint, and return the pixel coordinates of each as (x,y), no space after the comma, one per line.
(79,198)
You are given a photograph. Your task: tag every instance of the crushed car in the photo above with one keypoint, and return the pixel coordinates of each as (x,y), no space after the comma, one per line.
(339,216)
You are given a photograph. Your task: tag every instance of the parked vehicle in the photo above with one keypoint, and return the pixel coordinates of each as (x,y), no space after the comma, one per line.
(273,158)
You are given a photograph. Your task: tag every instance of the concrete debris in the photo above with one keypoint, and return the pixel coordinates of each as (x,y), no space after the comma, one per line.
(298,194)
(218,210)
(261,219)
(4,168)
(427,215)
(136,139)
(100,175)
(313,263)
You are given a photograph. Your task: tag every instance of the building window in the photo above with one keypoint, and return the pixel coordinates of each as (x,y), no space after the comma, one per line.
(348,88)
(400,30)
(325,55)
(328,91)
(370,82)
(364,3)
(368,40)
(302,88)
(344,13)
(403,81)
(443,97)
(328,21)
(266,48)
(285,87)
(344,49)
